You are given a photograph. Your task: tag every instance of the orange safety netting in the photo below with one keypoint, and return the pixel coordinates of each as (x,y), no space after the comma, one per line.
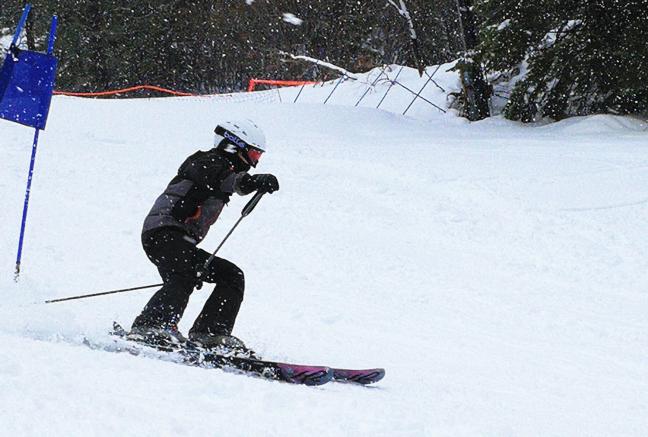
(253,83)
(251,86)
(124,90)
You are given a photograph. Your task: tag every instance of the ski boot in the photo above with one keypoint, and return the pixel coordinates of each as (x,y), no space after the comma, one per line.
(226,345)
(158,337)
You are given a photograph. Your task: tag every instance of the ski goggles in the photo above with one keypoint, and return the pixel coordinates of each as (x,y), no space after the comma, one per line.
(254,155)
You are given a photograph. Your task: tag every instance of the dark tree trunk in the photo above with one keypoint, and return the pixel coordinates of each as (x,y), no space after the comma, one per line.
(476,91)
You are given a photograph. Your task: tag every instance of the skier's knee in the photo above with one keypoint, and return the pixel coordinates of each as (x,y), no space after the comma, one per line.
(238,280)
(234,279)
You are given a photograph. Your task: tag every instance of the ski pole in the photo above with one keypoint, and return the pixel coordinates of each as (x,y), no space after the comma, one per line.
(83,296)
(246,210)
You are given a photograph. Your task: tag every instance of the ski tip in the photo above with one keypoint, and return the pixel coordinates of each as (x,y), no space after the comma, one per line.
(307,375)
(360,376)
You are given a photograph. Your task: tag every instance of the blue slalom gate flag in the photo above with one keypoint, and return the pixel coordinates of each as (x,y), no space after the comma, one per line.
(26,86)
(27,81)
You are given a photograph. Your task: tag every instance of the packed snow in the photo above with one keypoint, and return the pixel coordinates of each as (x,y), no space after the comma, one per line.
(497,271)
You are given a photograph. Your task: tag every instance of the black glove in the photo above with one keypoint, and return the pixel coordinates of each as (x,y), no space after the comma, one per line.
(266,183)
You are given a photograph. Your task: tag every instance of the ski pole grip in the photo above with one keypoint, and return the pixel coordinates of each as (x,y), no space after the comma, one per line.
(252,203)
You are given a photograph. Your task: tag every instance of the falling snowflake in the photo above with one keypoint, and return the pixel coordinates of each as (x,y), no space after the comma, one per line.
(292,19)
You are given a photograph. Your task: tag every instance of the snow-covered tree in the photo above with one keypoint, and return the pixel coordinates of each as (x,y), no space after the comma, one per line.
(566,58)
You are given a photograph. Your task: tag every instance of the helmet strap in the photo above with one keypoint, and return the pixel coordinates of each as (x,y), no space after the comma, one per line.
(241,154)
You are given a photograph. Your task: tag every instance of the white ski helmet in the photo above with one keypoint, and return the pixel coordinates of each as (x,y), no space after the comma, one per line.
(241,135)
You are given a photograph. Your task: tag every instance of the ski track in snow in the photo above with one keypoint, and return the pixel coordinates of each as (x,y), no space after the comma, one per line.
(498,271)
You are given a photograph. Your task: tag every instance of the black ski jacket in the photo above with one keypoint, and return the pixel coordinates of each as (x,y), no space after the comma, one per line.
(195,197)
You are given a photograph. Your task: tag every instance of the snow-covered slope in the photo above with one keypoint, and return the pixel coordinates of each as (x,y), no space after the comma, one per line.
(497,271)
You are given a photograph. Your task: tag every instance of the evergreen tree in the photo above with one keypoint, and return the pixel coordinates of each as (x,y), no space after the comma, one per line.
(569,57)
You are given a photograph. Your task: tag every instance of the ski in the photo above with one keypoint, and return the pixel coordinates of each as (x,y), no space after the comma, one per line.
(196,357)
(191,354)
(358,376)
(270,370)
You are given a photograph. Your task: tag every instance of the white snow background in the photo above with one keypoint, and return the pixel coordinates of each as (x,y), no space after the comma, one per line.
(498,271)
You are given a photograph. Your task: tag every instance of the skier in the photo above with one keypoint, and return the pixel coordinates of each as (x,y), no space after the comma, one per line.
(180,219)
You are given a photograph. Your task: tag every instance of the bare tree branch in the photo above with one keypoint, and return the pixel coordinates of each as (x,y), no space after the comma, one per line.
(322,64)
(402,10)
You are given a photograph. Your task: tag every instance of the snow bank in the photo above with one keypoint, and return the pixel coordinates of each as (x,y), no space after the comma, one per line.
(599,124)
